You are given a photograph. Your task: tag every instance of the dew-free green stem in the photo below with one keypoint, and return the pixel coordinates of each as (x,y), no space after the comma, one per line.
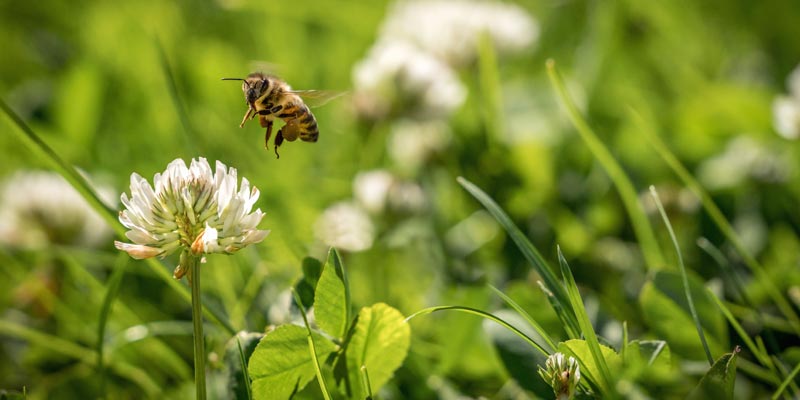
(311,348)
(684,277)
(786,382)
(630,199)
(483,314)
(197,324)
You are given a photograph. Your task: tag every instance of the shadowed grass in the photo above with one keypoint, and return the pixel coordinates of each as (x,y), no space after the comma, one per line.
(559,295)
(719,219)
(684,277)
(627,192)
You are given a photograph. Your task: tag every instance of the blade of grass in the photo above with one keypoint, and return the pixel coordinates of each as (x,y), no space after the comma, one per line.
(786,374)
(483,314)
(605,383)
(527,317)
(789,379)
(738,285)
(491,106)
(684,277)
(630,199)
(763,358)
(168,357)
(528,250)
(311,348)
(565,317)
(365,381)
(188,139)
(67,348)
(245,373)
(31,139)
(112,288)
(719,219)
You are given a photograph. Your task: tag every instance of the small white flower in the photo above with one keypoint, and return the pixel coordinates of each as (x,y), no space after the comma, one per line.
(786,109)
(450,29)
(38,208)
(412,143)
(563,375)
(371,189)
(346,227)
(396,76)
(744,158)
(786,116)
(191,209)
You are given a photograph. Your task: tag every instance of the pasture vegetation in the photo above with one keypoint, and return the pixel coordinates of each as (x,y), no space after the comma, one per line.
(512,200)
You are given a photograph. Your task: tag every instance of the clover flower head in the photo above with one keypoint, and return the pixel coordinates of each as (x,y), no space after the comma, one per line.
(190,209)
(786,109)
(562,374)
(38,208)
(450,29)
(345,226)
(396,76)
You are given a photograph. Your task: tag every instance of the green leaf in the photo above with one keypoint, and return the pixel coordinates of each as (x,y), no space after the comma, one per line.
(331,307)
(281,363)
(666,311)
(718,382)
(580,349)
(237,386)
(312,269)
(650,363)
(380,342)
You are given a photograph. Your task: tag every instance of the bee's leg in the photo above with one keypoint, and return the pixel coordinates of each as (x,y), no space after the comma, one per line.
(268,134)
(246,115)
(278,141)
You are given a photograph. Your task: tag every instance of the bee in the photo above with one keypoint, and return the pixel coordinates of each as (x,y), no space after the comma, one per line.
(271,98)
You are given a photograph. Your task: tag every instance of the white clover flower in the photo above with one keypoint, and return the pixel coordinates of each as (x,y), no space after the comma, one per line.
(397,76)
(39,208)
(786,116)
(191,209)
(345,226)
(563,375)
(786,109)
(450,29)
(378,190)
(371,189)
(412,144)
(744,158)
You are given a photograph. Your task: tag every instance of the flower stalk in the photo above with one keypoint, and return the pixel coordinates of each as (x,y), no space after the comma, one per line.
(192,264)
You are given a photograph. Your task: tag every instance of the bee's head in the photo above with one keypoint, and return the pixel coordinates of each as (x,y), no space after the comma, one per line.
(254,86)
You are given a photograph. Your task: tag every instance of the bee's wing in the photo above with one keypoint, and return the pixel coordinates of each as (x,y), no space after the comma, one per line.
(266,67)
(317,98)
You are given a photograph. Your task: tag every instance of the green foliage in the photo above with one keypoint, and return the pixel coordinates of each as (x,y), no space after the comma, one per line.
(678,95)
(379,344)
(376,345)
(281,363)
(664,307)
(332,300)
(719,381)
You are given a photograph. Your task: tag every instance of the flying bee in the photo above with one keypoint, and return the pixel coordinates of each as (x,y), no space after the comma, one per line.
(270,97)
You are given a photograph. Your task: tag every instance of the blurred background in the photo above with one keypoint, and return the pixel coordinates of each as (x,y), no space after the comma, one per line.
(433,90)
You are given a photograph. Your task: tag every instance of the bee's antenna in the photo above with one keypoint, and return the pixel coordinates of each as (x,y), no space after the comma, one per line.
(232,79)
